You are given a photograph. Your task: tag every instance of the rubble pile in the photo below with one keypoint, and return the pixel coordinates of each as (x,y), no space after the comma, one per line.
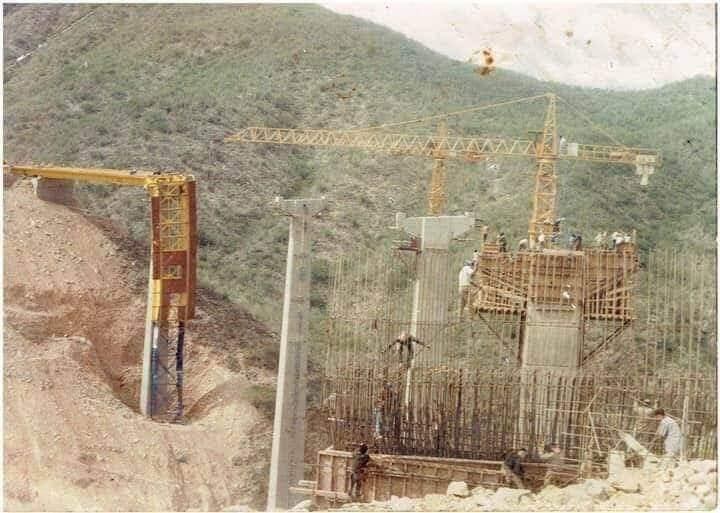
(690,485)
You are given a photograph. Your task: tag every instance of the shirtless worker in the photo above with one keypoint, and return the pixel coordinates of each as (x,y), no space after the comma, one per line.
(358,468)
(401,344)
(513,469)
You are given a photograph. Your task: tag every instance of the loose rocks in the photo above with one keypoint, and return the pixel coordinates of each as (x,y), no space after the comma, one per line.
(458,489)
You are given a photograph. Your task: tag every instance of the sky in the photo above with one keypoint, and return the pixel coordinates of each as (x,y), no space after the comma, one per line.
(615,46)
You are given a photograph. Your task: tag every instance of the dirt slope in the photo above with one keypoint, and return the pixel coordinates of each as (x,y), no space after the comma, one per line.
(73,337)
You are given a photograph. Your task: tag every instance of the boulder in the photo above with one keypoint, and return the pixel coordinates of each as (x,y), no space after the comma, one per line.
(433,502)
(710,501)
(697,479)
(702,490)
(302,506)
(475,502)
(616,464)
(458,489)
(481,491)
(596,489)
(712,479)
(505,498)
(703,466)
(626,501)
(627,481)
(401,504)
(690,501)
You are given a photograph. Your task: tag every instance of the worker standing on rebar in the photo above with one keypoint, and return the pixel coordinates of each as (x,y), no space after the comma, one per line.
(502,242)
(567,296)
(617,239)
(670,432)
(555,235)
(358,468)
(575,242)
(541,241)
(405,344)
(513,469)
(601,239)
(476,259)
(464,284)
(563,145)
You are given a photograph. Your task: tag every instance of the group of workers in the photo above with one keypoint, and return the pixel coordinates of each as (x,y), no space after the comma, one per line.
(615,240)
(553,456)
(575,240)
(513,461)
(668,431)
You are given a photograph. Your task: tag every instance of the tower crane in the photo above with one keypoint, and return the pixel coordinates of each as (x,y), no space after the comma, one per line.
(171,289)
(545,149)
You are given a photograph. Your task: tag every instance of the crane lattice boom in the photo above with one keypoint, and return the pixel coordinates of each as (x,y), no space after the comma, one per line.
(469,148)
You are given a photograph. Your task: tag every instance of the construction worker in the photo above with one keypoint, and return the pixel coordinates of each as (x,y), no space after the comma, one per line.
(601,239)
(617,239)
(567,296)
(405,344)
(575,242)
(554,457)
(541,241)
(670,432)
(556,230)
(358,468)
(563,145)
(502,242)
(513,469)
(484,233)
(464,284)
(476,259)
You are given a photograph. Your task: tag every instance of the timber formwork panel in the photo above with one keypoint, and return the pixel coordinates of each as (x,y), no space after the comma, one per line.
(598,282)
(407,476)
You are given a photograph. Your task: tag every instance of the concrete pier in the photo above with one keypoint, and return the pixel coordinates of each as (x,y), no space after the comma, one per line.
(431,297)
(287,458)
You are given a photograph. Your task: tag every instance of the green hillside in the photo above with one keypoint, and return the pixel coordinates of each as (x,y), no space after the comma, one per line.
(159,86)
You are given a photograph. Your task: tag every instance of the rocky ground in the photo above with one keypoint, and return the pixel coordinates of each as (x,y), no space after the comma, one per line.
(73,334)
(691,485)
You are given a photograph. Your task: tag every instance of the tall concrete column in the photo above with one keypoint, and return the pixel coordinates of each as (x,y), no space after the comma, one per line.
(431,295)
(286,461)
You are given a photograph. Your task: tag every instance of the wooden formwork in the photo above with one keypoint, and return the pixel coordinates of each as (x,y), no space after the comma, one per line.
(406,476)
(598,281)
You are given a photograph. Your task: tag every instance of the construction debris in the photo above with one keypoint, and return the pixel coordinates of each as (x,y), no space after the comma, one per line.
(668,488)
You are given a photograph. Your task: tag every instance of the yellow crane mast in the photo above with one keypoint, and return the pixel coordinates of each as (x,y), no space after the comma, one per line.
(545,149)
(171,293)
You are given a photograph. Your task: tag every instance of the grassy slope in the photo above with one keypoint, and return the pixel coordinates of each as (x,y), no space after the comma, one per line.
(159,86)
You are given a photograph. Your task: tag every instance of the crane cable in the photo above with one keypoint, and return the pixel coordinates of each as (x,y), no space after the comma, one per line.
(589,121)
(447,114)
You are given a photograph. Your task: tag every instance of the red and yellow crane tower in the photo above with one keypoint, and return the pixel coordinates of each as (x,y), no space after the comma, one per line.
(173,261)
